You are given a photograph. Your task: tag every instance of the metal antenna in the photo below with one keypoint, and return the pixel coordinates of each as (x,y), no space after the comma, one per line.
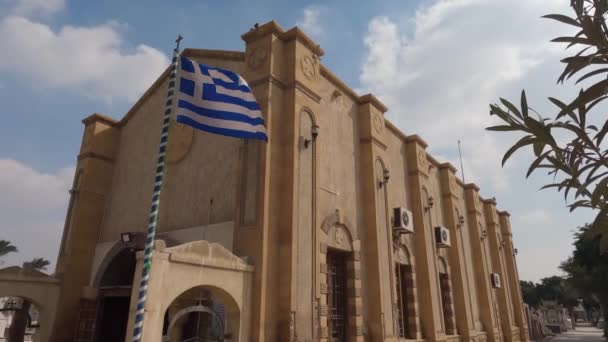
(461,166)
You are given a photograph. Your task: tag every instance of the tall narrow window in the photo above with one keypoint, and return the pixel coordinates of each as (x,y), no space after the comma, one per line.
(446,302)
(405,295)
(336,296)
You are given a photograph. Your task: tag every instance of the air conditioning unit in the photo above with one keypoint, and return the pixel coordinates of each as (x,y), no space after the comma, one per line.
(495,279)
(442,237)
(402,221)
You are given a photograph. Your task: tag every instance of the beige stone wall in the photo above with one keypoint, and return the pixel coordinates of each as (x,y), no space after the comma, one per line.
(199,189)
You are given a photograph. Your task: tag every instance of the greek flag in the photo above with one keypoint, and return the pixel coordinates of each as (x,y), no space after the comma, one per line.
(217,101)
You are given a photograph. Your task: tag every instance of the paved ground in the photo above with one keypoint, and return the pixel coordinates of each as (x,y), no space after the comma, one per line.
(584,334)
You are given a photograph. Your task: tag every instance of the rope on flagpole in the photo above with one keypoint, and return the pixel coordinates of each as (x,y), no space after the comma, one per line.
(154,209)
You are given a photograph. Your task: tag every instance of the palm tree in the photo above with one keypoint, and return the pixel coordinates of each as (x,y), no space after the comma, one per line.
(6,247)
(38,264)
(16,332)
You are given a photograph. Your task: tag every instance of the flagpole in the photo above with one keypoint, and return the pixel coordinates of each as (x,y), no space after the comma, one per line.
(154,209)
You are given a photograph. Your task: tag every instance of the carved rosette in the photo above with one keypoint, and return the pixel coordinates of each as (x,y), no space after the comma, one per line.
(422,162)
(256,57)
(378,123)
(308,68)
(453,185)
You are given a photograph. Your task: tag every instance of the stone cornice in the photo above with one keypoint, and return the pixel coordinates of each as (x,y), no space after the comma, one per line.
(272,27)
(270,79)
(489,201)
(417,139)
(374,141)
(218,54)
(144,97)
(370,98)
(304,89)
(338,82)
(448,166)
(95,156)
(100,117)
(472,186)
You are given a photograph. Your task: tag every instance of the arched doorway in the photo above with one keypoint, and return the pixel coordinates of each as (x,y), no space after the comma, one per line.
(339,270)
(406,293)
(19,319)
(114,297)
(445,287)
(202,314)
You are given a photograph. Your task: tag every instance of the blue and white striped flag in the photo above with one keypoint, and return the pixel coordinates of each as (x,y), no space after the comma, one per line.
(217,101)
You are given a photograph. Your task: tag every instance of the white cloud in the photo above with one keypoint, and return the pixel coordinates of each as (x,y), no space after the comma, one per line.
(310,21)
(33,207)
(34,7)
(535,217)
(439,69)
(93,61)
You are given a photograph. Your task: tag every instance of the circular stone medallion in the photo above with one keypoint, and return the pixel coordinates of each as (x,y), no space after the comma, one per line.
(180,140)
(308,67)
(256,57)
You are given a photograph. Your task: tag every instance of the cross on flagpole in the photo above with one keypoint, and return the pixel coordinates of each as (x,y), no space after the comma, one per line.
(177,41)
(154,209)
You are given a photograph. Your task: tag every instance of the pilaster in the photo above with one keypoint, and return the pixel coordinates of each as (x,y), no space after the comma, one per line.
(92,181)
(376,251)
(426,272)
(481,261)
(452,211)
(496,246)
(512,275)
(266,75)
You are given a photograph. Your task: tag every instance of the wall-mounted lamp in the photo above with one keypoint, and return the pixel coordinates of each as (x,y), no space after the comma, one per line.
(314,132)
(133,240)
(515,251)
(127,237)
(429,203)
(460,222)
(386,175)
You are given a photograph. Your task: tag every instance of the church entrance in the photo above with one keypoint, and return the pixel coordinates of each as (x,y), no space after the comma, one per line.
(114,297)
(114,313)
(337,318)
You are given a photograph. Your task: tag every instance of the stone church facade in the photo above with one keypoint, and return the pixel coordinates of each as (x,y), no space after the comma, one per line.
(289,240)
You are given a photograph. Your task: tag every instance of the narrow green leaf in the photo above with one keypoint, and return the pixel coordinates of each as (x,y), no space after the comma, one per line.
(524,104)
(592,104)
(564,108)
(577,204)
(536,163)
(572,40)
(564,19)
(538,148)
(555,185)
(595,91)
(591,74)
(527,140)
(502,128)
(599,192)
(602,133)
(511,108)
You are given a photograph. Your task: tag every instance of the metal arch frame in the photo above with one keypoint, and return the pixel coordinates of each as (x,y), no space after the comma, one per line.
(197,308)
(29,318)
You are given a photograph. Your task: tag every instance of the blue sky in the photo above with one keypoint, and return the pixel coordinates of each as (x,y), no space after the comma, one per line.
(439,61)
